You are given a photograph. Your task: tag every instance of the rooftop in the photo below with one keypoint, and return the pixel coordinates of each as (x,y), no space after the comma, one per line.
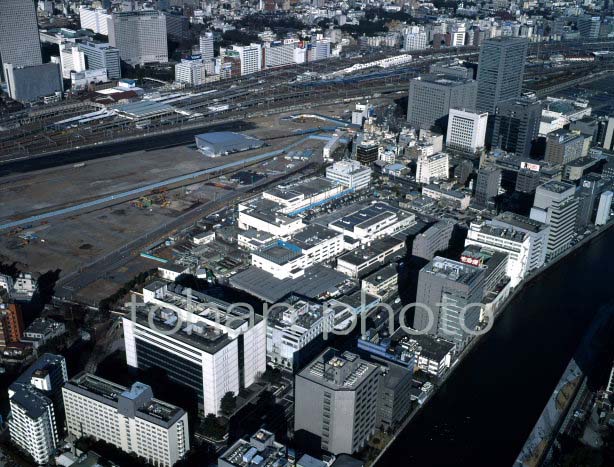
(522,222)
(451,270)
(338,371)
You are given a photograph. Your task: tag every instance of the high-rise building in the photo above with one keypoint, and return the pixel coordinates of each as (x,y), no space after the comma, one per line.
(11,324)
(516,125)
(432,167)
(367,151)
(415,40)
(609,389)
(250,57)
(500,71)
(177,25)
(95,19)
(71,59)
(432,96)
(140,36)
(487,186)
(449,294)
(563,146)
(191,72)
(590,189)
(589,26)
(31,83)
(466,131)
(555,204)
(604,209)
(19,38)
(35,400)
(436,238)
(336,401)
(206,46)
(278,54)
(214,349)
(102,55)
(129,419)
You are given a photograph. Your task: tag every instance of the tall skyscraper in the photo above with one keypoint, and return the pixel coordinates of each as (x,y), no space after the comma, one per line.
(140,36)
(19,38)
(516,125)
(500,71)
(432,96)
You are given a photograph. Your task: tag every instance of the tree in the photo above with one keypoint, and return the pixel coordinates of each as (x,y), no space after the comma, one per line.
(228,403)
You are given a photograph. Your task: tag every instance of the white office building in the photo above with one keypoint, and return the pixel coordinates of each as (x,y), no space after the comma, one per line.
(129,419)
(432,167)
(102,56)
(350,173)
(555,204)
(140,36)
(291,327)
(213,348)
(71,59)
(94,19)
(206,46)
(604,208)
(374,221)
(250,57)
(192,72)
(289,259)
(466,130)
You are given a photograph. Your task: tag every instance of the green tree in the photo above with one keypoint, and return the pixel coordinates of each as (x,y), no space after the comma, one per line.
(228,403)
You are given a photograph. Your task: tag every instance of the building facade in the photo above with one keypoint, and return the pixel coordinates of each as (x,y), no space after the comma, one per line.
(140,36)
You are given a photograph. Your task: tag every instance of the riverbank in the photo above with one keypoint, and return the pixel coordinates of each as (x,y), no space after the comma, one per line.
(529,280)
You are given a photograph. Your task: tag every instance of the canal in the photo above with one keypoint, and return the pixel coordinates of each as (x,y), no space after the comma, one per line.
(486,409)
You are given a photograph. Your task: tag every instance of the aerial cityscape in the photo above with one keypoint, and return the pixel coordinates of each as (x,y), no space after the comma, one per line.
(306,233)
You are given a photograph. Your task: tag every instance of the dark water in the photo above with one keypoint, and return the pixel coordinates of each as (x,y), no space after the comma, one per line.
(489,405)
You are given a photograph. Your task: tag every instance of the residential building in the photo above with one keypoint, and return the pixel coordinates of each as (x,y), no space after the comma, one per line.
(516,125)
(434,239)
(415,41)
(102,55)
(432,96)
(451,293)
(430,168)
(349,173)
(500,71)
(140,36)
(336,400)
(127,418)
(556,205)
(487,186)
(95,19)
(214,350)
(466,131)
(278,54)
(563,147)
(35,401)
(11,324)
(19,37)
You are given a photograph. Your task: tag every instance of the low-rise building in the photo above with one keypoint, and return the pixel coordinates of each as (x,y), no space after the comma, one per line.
(41,331)
(382,282)
(349,173)
(457,199)
(261,449)
(366,258)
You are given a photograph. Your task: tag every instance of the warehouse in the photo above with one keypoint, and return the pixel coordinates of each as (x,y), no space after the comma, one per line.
(220,143)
